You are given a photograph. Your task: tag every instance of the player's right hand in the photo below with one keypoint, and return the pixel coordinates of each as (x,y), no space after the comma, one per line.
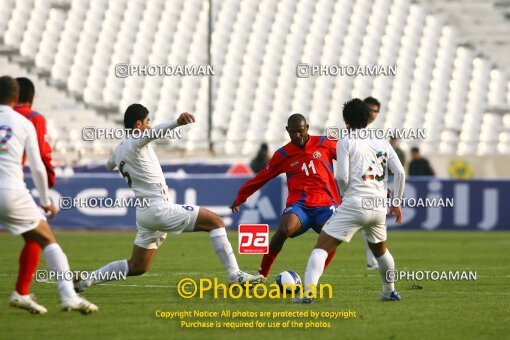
(234,207)
(50,209)
(185,118)
(398,213)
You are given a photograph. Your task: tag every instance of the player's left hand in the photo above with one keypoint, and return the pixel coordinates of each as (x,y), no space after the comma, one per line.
(51,209)
(234,207)
(397,211)
(185,118)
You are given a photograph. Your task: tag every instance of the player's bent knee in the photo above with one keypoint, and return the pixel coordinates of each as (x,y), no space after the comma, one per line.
(208,220)
(378,249)
(287,231)
(137,270)
(42,234)
(218,222)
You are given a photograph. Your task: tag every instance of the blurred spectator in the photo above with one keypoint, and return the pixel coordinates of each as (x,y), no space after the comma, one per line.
(419,166)
(260,161)
(400,153)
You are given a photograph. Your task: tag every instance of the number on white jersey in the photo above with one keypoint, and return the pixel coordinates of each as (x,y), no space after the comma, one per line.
(381,157)
(5,138)
(125,174)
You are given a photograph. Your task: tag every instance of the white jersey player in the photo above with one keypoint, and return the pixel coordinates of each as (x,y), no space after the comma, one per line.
(136,160)
(362,166)
(18,211)
(373,106)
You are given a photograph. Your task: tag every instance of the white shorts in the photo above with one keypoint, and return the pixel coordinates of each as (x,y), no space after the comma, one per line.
(347,220)
(154,222)
(18,211)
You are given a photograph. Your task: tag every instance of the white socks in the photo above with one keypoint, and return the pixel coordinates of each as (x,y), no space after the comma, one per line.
(386,263)
(224,250)
(112,271)
(57,263)
(315,267)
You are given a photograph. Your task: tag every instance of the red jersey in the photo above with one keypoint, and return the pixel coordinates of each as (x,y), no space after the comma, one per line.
(44,147)
(309,171)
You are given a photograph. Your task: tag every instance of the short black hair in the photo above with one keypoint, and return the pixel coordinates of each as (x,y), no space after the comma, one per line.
(26,90)
(296,119)
(372,101)
(133,113)
(415,149)
(9,90)
(356,114)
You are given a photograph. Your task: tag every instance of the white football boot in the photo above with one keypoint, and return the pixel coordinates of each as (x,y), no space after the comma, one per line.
(78,304)
(26,302)
(241,278)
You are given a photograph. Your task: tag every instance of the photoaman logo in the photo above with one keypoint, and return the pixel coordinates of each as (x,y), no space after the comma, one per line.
(253,238)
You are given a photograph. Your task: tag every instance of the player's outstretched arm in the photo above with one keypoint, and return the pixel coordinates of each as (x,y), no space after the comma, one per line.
(110,164)
(342,165)
(271,170)
(183,119)
(396,167)
(38,171)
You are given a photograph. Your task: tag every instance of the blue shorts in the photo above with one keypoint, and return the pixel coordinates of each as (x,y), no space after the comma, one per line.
(310,217)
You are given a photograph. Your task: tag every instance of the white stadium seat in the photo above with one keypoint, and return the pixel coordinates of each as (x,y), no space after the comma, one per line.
(442,85)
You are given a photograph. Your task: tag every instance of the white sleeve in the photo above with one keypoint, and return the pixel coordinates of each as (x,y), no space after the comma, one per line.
(398,172)
(342,164)
(158,130)
(110,164)
(37,166)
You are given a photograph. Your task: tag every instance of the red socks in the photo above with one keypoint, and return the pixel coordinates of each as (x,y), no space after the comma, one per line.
(28,262)
(267,262)
(329,259)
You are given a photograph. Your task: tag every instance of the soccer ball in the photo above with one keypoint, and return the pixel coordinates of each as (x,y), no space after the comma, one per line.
(289,278)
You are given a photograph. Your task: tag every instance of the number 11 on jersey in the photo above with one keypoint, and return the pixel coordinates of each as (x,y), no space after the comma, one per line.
(311,166)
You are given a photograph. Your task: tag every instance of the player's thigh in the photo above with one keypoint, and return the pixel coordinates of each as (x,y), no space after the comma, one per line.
(321,216)
(344,223)
(289,225)
(327,242)
(149,239)
(207,220)
(18,212)
(378,249)
(375,230)
(41,234)
(168,218)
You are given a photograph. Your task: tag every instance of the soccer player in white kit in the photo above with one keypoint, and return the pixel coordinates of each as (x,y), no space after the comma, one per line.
(373,106)
(18,211)
(361,174)
(136,160)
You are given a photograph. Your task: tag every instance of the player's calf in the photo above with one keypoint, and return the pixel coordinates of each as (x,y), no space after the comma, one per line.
(386,264)
(138,264)
(289,225)
(212,223)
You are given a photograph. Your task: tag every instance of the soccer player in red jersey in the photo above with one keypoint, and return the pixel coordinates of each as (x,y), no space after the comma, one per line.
(24,106)
(29,257)
(313,194)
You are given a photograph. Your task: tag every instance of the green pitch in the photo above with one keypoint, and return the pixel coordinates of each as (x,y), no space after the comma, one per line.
(439,309)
